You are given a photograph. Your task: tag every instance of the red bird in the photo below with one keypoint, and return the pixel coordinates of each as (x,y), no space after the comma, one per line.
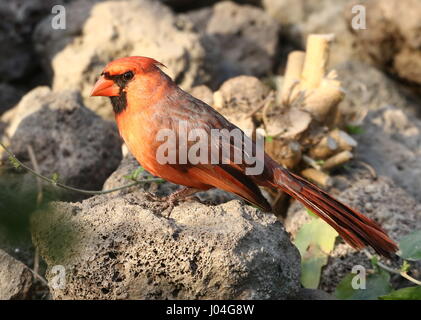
(145,100)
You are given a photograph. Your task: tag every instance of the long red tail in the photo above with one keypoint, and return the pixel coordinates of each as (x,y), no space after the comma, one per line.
(355,228)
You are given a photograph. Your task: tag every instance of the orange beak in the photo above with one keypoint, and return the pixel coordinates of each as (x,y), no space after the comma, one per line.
(106,88)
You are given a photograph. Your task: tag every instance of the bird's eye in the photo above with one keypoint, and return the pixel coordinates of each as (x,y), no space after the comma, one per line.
(128,75)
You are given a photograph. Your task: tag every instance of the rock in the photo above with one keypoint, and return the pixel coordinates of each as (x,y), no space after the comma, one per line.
(239,39)
(312,294)
(177,3)
(392,39)
(391,143)
(48,44)
(2,128)
(140,27)
(380,199)
(30,103)
(24,14)
(127,167)
(16,47)
(121,248)
(243,90)
(203,93)
(15,278)
(329,18)
(67,139)
(299,18)
(194,52)
(408,64)
(9,96)
(367,88)
(187,4)
(19,65)
(121,175)
(17,57)
(238,97)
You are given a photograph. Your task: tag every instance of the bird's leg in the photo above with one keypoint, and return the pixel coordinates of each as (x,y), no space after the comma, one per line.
(177,196)
(181,194)
(153,197)
(169,202)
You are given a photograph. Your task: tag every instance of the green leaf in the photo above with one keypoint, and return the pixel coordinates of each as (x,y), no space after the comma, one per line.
(269,139)
(135,174)
(55,177)
(410,246)
(14,162)
(346,167)
(311,267)
(315,240)
(312,214)
(354,129)
(316,232)
(374,262)
(405,266)
(410,293)
(376,285)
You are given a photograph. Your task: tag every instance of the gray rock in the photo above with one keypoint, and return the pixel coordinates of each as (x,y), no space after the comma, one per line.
(2,128)
(239,39)
(392,39)
(380,199)
(127,167)
(121,248)
(17,57)
(205,46)
(203,93)
(187,4)
(243,92)
(367,88)
(140,27)
(9,96)
(67,139)
(299,18)
(239,97)
(15,278)
(391,143)
(18,60)
(48,43)
(312,294)
(31,102)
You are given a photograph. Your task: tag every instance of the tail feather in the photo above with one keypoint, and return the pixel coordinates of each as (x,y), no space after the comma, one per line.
(355,228)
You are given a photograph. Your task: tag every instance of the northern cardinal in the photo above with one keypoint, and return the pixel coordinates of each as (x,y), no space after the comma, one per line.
(145,100)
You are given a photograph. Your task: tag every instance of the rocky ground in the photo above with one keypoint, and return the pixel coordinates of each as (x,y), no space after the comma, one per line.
(118,246)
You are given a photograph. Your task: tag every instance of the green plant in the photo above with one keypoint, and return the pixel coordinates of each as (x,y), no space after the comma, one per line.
(54,180)
(315,240)
(378,281)
(352,129)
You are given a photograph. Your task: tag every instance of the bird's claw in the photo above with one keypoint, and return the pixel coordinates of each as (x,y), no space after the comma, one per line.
(152,197)
(167,204)
(163,204)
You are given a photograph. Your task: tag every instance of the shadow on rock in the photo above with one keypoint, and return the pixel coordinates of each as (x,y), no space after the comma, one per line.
(122,248)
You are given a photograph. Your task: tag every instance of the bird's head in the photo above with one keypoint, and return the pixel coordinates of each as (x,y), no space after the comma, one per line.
(120,75)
